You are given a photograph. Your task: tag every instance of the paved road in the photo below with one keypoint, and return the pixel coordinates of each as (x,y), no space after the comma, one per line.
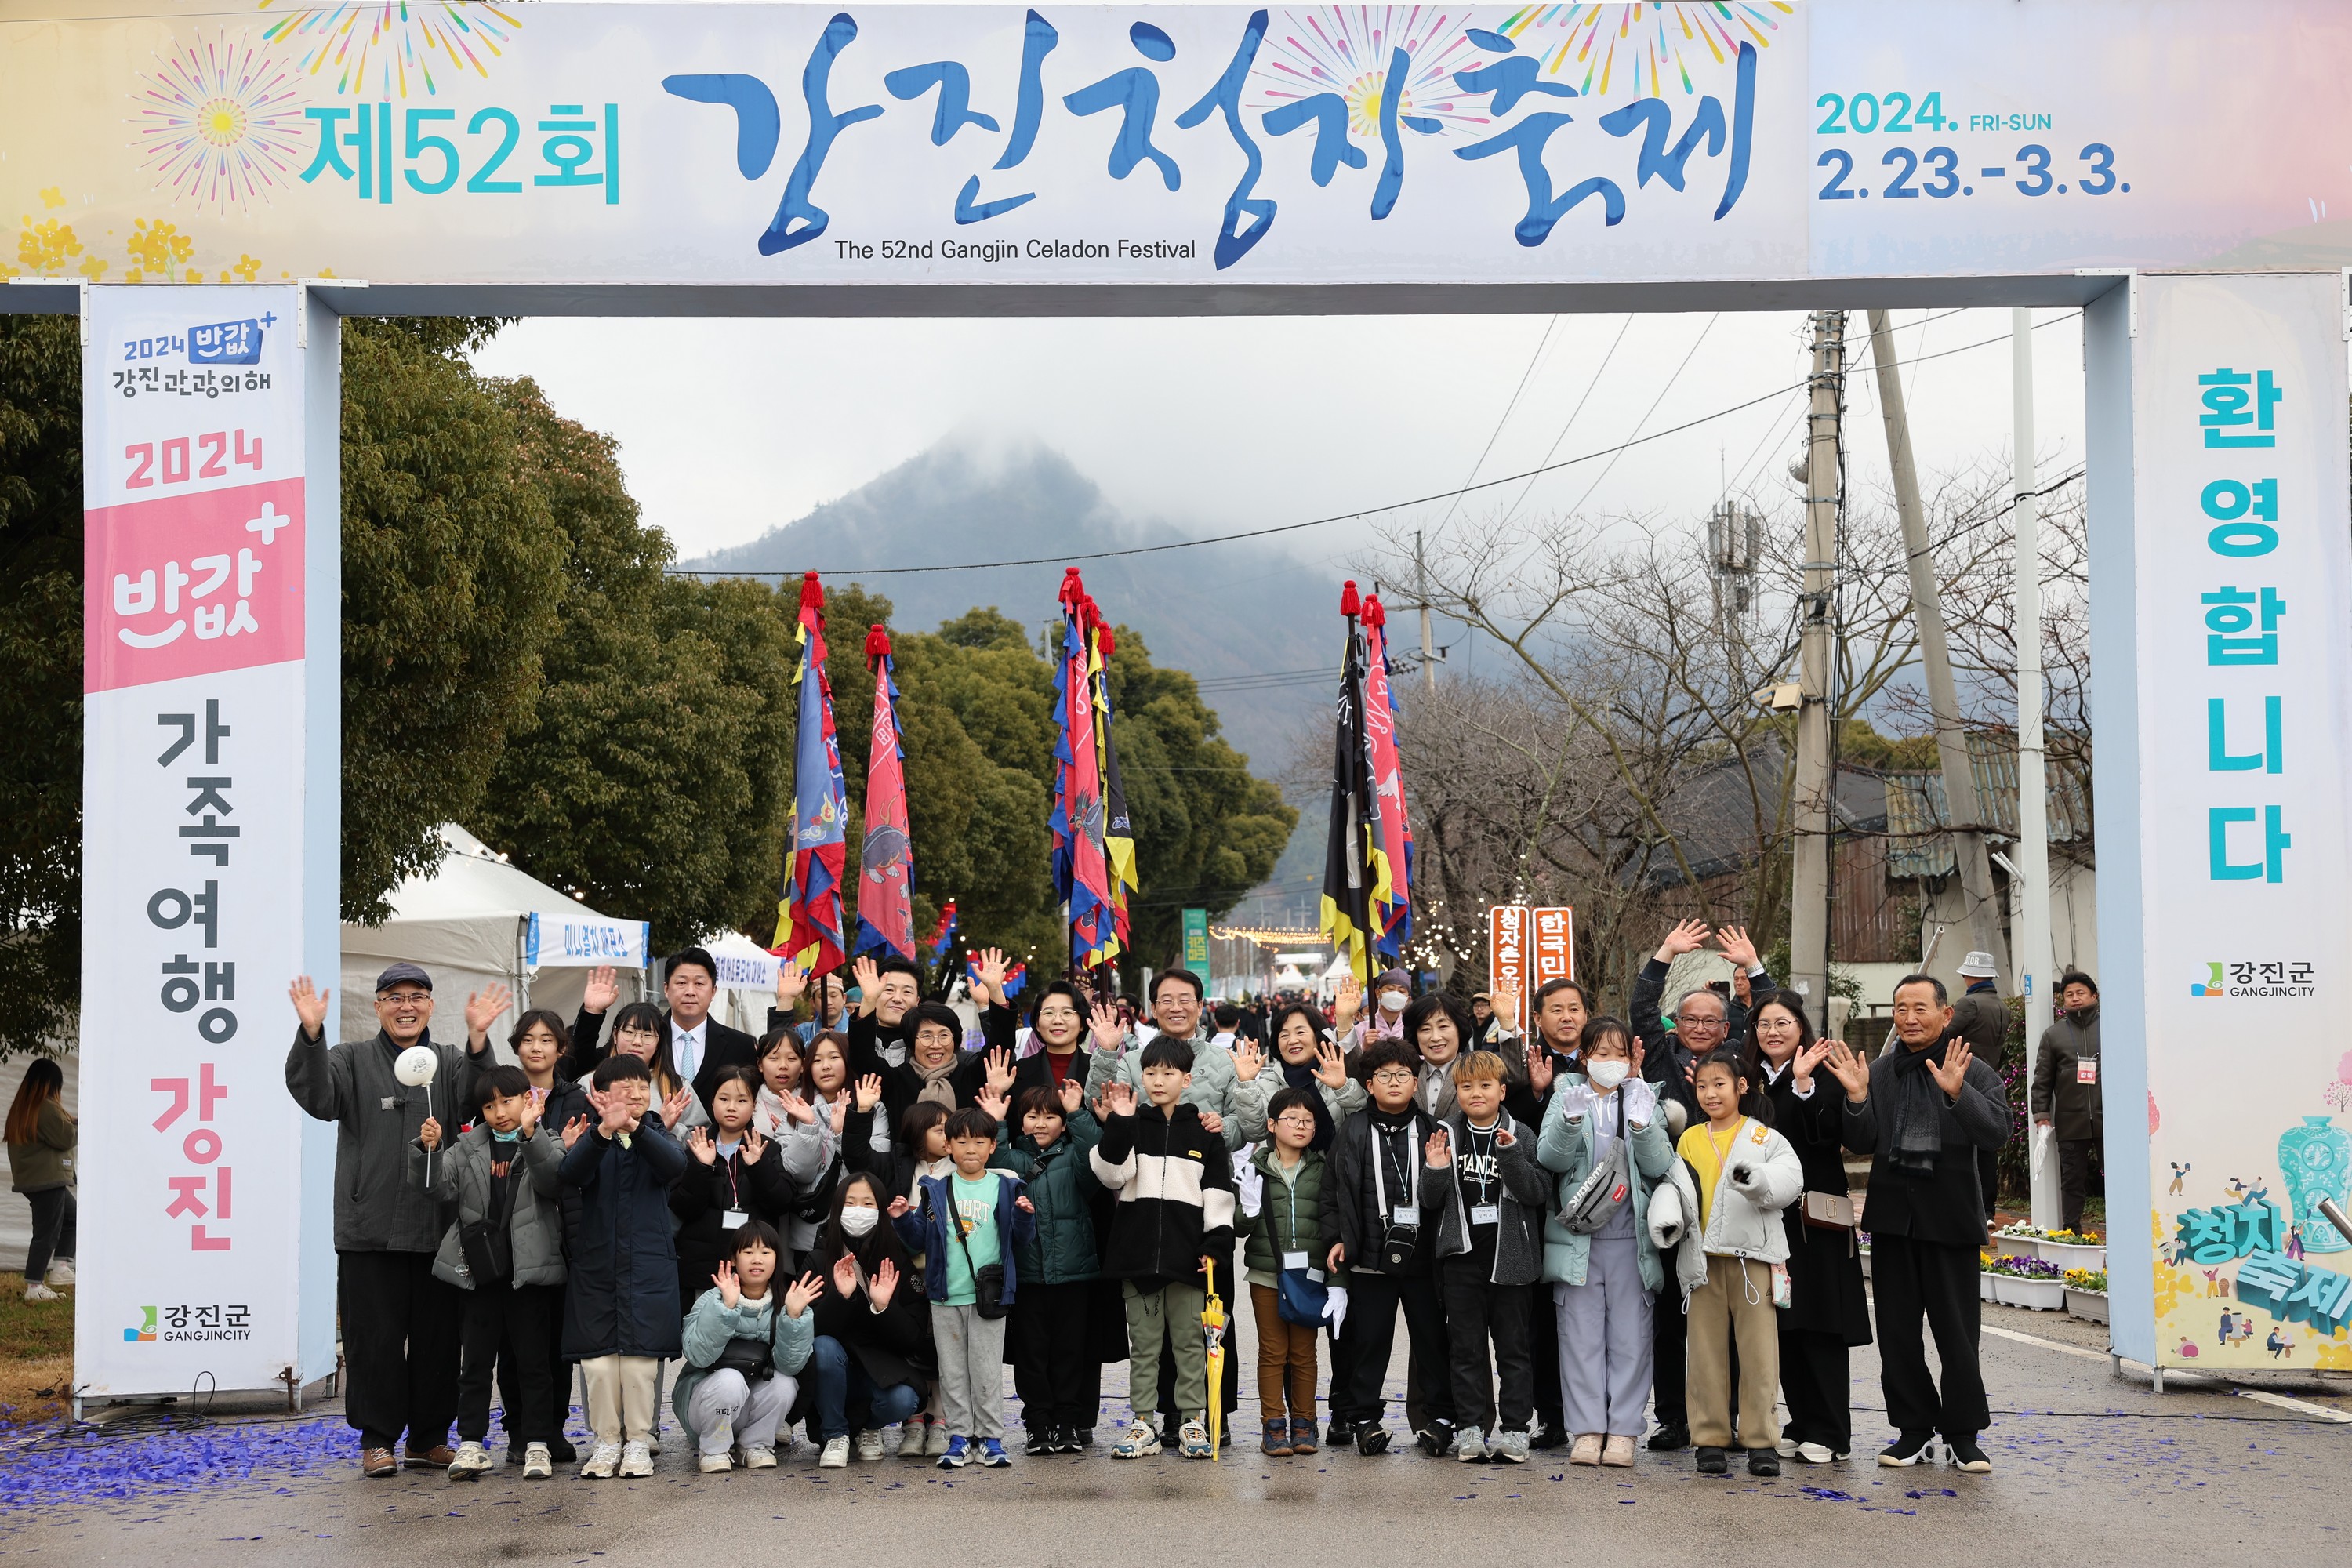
(2088,1469)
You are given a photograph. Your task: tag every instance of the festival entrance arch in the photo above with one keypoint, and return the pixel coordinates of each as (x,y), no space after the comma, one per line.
(2166,164)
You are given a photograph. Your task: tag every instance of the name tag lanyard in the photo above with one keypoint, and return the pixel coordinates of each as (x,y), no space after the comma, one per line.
(1409,1210)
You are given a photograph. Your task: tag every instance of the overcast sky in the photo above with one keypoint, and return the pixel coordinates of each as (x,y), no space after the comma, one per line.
(731,427)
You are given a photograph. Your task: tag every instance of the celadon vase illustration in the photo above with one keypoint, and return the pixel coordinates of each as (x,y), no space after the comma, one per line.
(2315,1161)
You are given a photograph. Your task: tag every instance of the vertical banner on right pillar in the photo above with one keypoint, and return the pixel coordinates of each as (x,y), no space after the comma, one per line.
(2245,539)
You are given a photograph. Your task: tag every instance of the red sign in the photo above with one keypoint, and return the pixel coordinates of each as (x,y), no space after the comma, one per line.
(1552,946)
(1509,958)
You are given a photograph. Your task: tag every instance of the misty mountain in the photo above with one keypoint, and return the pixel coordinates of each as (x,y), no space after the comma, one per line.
(1255,626)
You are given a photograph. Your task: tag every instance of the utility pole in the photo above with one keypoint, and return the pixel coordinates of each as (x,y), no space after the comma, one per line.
(1927,606)
(1809,894)
(1428,660)
(2032,808)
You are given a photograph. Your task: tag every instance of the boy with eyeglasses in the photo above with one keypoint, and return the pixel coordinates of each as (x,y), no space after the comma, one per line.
(1381,1179)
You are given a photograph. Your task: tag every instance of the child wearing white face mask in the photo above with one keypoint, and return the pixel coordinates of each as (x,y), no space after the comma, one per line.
(1603,1273)
(1392,992)
(873,1328)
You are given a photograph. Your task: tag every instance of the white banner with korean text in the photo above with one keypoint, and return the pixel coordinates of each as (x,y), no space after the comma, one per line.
(2244,535)
(193,838)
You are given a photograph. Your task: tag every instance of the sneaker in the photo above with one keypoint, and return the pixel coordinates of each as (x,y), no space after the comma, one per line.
(836,1454)
(1077,1439)
(1340,1434)
(1193,1441)
(469,1463)
(758,1459)
(1816,1454)
(536,1464)
(1141,1443)
(36,1291)
(958,1453)
(1470,1446)
(1511,1447)
(1044,1440)
(1586,1449)
(602,1463)
(1547,1437)
(1618,1452)
(935,1442)
(1969,1459)
(1670,1436)
(1436,1439)
(869,1445)
(1275,1443)
(1371,1439)
(1714,1462)
(636,1461)
(439,1457)
(1787,1447)
(1302,1437)
(559,1449)
(711,1463)
(993,1455)
(1905,1451)
(1763,1462)
(61,1272)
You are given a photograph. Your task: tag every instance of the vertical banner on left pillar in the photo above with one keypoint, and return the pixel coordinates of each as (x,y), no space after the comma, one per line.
(192,836)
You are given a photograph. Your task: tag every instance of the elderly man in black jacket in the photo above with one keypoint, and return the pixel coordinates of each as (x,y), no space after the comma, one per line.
(1921,1111)
(400,1323)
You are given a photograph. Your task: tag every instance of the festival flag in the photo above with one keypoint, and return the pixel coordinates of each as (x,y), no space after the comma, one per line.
(1391,916)
(885,897)
(1082,876)
(1118,829)
(808,914)
(943,930)
(1353,877)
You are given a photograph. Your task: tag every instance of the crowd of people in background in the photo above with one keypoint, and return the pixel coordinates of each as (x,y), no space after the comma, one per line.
(1596,1231)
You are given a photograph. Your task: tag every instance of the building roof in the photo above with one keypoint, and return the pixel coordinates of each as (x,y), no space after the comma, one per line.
(1917,814)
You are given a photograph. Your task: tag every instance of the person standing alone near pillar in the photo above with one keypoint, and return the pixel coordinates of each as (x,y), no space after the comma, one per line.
(2065,1093)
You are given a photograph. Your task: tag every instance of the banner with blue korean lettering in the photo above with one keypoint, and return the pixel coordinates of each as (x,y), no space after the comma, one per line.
(1117,145)
(2245,711)
(193,837)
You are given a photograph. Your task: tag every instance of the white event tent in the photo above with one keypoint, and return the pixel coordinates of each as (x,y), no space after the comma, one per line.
(475,920)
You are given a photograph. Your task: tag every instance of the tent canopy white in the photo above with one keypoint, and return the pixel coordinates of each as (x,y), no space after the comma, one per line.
(475,920)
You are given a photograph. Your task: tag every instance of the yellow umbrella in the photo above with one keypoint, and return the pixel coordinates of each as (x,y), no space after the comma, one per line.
(1212,1328)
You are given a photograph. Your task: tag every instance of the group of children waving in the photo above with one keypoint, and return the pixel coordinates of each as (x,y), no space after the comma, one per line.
(858,1227)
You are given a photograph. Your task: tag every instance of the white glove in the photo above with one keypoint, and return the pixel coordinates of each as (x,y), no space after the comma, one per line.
(1576,1102)
(1639,1105)
(1249,1187)
(1334,1303)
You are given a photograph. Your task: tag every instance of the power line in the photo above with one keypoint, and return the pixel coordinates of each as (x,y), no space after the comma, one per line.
(1647,412)
(1627,326)
(1430,500)
(1497,433)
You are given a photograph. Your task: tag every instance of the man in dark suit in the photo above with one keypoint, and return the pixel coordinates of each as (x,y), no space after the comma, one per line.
(700,1046)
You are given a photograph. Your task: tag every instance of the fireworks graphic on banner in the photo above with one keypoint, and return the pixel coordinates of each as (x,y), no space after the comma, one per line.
(1656,41)
(390,46)
(219,123)
(1346,49)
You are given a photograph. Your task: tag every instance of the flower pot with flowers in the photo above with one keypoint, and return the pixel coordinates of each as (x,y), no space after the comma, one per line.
(1986,1264)
(2087,1293)
(2074,1249)
(2029,1282)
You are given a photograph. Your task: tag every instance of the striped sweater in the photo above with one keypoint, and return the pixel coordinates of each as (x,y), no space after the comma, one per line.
(1174,1183)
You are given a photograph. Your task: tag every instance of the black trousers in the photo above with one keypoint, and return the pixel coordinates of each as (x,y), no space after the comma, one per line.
(1817,1380)
(1053,1366)
(2075,1176)
(401,1331)
(1342,1348)
(1925,1283)
(1543,1344)
(1372,1303)
(1668,1364)
(1476,1312)
(558,1386)
(505,1332)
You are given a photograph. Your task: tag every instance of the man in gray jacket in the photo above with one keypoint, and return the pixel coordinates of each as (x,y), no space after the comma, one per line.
(400,1323)
(2064,1095)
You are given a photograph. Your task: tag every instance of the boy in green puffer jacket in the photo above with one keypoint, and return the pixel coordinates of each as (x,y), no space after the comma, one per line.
(1046,1142)
(1289,1227)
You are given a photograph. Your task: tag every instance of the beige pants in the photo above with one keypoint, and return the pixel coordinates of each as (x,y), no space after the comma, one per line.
(1735,1300)
(621,1394)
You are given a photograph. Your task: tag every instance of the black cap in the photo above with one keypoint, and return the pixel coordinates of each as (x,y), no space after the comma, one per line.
(403,973)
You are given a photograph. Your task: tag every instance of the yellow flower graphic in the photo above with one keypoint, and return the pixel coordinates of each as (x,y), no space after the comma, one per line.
(47,245)
(158,246)
(55,196)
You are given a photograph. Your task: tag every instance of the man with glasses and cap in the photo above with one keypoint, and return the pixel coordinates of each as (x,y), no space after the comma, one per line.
(399,1324)
(1981,1017)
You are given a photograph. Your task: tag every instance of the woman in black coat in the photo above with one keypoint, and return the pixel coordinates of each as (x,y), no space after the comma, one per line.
(1828,1312)
(873,1359)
